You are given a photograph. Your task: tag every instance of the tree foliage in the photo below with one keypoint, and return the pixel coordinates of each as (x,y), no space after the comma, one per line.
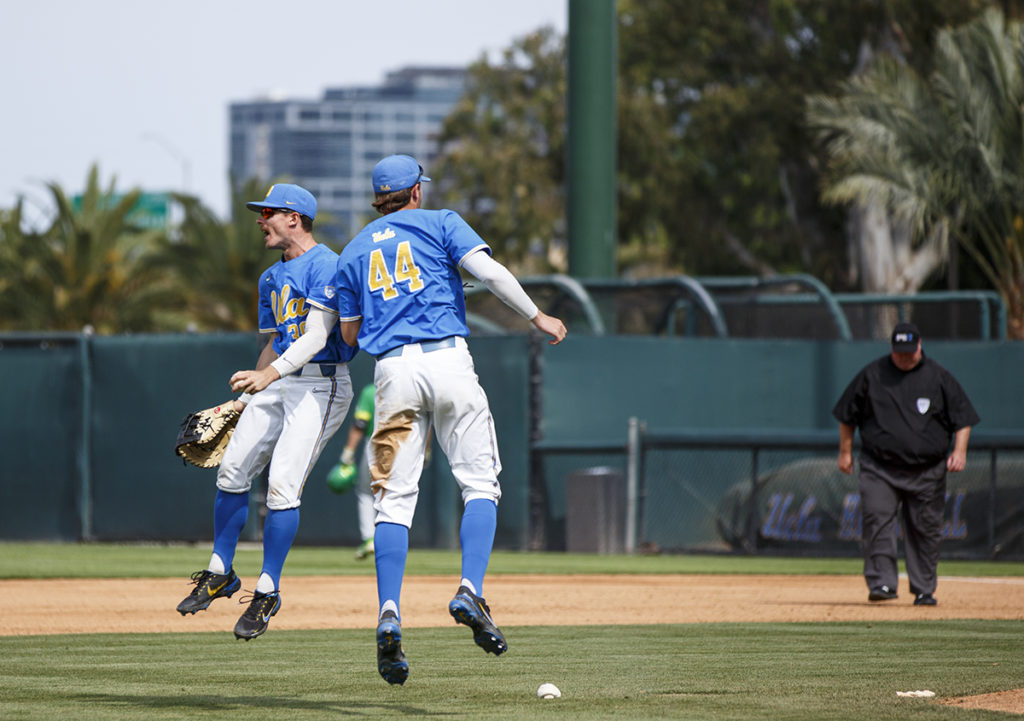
(92,267)
(727,165)
(942,153)
(503,159)
(218,264)
(717,171)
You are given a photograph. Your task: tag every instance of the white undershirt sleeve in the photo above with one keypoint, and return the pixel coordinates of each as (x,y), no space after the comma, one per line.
(500,281)
(319,323)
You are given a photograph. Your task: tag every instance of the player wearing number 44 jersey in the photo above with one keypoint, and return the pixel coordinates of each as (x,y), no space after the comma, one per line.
(400,295)
(293,402)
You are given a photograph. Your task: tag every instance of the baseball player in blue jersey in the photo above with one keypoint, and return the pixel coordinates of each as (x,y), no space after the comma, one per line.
(400,296)
(291,404)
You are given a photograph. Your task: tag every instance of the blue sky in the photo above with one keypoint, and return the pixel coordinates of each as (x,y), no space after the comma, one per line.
(142,88)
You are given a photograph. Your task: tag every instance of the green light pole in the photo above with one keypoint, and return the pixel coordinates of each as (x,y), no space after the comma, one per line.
(593,54)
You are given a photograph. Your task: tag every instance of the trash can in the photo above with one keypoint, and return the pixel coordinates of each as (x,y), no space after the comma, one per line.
(595,516)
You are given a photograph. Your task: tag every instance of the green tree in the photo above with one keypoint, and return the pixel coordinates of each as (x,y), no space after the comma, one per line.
(217,264)
(942,155)
(717,170)
(715,157)
(91,267)
(503,154)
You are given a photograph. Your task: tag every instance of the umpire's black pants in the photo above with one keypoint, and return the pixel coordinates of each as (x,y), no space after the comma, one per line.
(922,494)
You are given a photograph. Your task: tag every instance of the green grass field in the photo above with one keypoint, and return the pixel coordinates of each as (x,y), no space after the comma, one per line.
(804,672)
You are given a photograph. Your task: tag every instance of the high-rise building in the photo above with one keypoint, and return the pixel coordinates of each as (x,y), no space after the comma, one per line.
(330,146)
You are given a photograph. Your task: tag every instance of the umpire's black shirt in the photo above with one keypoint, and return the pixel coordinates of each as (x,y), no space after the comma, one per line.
(906,418)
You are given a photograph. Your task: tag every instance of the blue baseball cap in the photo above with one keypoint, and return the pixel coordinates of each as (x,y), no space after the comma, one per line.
(397,172)
(286,196)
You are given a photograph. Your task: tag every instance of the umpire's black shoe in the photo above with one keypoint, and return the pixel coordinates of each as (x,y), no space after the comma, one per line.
(256,618)
(470,610)
(391,663)
(209,585)
(925,599)
(882,593)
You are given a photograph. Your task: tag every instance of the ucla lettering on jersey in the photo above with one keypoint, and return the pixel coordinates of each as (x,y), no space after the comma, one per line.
(285,307)
(383,235)
(288,291)
(400,276)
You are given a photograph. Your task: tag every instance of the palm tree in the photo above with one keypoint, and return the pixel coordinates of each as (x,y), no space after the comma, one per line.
(91,267)
(218,263)
(942,155)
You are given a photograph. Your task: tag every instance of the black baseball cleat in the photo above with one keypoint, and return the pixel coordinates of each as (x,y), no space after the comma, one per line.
(925,599)
(209,585)
(391,663)
(470,610)
(882,593)
(256,618)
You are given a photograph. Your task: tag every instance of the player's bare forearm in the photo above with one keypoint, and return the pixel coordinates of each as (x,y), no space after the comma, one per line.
(957,460)
(550,325)
(267,355)
(350,331)
(845,460)
(253,381)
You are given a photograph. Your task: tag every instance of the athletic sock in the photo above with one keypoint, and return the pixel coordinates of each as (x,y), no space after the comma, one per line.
(230,511)
(278,533)
(391,547)
(476,537)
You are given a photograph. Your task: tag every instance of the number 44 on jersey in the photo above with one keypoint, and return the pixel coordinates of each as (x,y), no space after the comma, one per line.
(403,270)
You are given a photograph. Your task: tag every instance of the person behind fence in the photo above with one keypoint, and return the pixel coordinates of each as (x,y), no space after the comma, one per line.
(908,409)
(348,474)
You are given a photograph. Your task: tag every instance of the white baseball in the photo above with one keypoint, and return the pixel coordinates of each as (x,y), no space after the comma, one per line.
(548,690)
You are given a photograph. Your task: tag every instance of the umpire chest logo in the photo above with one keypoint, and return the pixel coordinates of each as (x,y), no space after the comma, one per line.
(923,404)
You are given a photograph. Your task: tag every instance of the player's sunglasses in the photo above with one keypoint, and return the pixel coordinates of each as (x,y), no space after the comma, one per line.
(267,213)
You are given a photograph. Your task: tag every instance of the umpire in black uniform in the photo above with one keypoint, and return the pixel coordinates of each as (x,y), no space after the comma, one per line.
(908,409)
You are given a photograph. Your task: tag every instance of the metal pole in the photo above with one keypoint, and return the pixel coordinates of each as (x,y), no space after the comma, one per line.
(593,56)
(993,549)
(632,475)
(85,450)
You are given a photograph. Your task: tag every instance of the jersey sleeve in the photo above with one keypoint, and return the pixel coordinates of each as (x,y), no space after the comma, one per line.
(851,406)
(461,240)
(346,290)
(265,312)
(959,407)
(321,285)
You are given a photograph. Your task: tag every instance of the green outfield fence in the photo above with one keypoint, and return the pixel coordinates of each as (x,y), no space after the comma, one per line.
(88,425)
(759,492)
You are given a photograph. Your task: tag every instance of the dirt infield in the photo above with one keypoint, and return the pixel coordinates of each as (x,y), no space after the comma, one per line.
(314,602)
(311,602)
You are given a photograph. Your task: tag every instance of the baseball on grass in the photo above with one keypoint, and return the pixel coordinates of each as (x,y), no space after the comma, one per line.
(548,690)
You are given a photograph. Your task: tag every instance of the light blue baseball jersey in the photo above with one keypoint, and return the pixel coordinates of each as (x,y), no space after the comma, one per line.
(288,289)
(400,274)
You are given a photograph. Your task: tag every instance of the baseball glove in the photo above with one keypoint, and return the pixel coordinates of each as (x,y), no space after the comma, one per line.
(204,435)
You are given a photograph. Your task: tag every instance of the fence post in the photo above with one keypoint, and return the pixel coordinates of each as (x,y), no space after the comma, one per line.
(632,475)
(992,549)
(85,451)
(752,518)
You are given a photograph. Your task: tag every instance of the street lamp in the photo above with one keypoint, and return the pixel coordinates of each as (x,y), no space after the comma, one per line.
(175,153)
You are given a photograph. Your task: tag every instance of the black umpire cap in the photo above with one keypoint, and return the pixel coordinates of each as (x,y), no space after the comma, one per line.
(905,337)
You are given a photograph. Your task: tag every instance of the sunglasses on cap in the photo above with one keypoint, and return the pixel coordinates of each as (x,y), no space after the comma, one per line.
(269,212)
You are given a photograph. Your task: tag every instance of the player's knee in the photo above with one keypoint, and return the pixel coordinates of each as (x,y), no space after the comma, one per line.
(230,481)
(281,499)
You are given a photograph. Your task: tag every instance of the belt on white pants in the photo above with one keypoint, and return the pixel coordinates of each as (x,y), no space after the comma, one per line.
(427,346)
(318,370)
